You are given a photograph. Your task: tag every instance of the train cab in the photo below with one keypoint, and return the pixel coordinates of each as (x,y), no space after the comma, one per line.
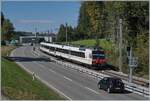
(98,58)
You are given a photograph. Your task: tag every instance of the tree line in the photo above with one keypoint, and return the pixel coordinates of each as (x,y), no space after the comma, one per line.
(100,19)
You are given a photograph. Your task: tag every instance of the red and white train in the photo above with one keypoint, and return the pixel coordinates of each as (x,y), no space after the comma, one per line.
(87,56)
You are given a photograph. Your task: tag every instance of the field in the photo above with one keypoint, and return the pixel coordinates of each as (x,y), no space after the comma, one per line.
(106,45)
(17,84)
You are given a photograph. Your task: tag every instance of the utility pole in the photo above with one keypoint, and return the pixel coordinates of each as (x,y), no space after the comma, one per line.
(56,33)
(132,62)
(35,32)
(66,32)
(35,35)
(48,32)
(34,40)
(130,67)
(120,45)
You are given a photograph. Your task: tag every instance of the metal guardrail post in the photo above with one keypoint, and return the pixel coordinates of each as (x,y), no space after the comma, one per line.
(33,76)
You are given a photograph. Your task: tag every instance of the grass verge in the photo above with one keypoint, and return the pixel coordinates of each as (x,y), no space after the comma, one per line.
(17,84)
(91,42)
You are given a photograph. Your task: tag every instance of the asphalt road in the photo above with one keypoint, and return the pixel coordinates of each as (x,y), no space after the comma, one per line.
(72,84)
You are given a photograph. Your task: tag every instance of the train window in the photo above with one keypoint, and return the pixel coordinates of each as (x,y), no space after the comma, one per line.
(97,52)
(62,50)
(51,48)
(47,47)
(80,54)
(98,56)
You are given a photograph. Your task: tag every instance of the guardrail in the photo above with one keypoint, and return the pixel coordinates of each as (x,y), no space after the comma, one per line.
(139,79)
(128,86)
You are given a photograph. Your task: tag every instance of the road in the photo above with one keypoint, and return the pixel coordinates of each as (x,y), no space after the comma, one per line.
(71,84)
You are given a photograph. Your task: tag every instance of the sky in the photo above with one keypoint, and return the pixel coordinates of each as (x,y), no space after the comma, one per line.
(41,15)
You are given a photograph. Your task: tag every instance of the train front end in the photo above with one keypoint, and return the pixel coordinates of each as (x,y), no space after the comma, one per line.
(98,58)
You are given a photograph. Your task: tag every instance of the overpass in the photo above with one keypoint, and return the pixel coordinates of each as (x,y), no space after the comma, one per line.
(38,38)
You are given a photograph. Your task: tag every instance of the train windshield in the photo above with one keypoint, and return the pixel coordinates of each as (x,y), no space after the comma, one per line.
(98,55)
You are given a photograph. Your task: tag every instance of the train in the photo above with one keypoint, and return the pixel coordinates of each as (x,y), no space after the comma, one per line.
(90,57)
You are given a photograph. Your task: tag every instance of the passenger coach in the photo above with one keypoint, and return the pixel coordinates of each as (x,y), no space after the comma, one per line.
(87,56)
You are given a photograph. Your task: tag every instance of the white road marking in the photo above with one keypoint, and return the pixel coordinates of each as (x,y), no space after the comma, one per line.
(67,78)
(48,84)
(52,70)
(92,90)
(45,82)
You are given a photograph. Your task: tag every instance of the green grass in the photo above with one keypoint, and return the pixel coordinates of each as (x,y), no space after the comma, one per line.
(17,84)
(106,45)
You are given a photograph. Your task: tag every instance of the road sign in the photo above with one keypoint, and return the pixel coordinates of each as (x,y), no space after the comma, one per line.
(133,62)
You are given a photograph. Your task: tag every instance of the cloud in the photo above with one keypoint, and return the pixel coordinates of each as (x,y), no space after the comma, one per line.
(35,21)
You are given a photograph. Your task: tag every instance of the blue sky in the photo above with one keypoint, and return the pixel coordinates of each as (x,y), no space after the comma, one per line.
(43,15)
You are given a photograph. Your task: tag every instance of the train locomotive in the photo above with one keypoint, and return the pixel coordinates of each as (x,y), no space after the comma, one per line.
(93,58)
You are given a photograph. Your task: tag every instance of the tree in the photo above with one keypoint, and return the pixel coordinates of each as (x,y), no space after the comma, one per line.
(71,33)
(93,19)
(2,18)
(61,36)
(136,16)
(7,30)
(84,25)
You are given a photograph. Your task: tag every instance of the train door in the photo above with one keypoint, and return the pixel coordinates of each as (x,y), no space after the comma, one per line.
(55,51)
(69,53)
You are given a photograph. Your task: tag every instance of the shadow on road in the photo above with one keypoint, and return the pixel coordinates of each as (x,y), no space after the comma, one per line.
(108,67)
(28,59)
(124,92)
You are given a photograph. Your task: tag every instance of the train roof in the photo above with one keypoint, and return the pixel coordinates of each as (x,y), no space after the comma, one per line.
(71,47)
